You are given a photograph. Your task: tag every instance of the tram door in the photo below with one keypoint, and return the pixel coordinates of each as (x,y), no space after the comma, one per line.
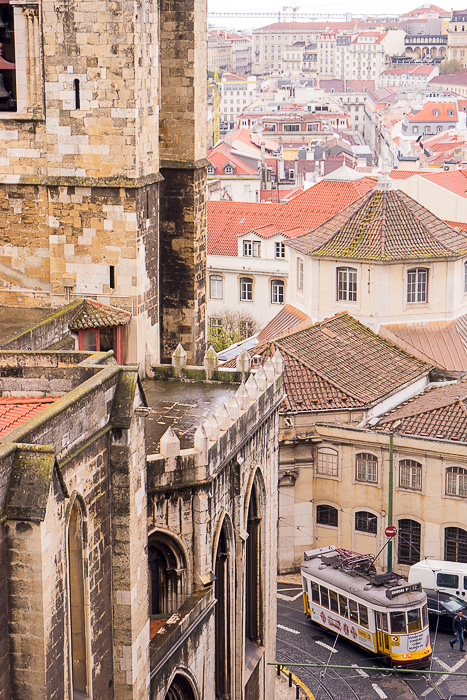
(383,632)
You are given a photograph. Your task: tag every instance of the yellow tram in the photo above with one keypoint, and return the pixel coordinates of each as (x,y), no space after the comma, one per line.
(380,612)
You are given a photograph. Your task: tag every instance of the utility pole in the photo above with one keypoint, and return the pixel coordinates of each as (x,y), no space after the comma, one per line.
(390,493)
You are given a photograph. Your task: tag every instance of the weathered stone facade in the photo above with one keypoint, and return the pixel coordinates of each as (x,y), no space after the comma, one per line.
(99,542)
(80,163)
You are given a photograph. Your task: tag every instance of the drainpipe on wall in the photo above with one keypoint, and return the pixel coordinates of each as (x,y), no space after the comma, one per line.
(390,492)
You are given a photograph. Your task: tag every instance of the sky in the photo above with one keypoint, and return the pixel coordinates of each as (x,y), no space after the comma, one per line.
(305,6)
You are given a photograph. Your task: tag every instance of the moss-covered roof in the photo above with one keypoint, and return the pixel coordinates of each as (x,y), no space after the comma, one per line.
(92,314)
(383,225)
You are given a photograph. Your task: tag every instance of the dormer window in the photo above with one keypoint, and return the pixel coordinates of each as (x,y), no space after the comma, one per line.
(436,112)
(228,170)
(450,112)
(211,170)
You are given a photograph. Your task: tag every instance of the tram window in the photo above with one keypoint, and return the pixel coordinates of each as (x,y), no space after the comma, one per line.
(447,580)
(413,620)
(382,621)
(353,608)
(314,592)
(343,607)
(424,616)
(363,610)
(398,623)
(324,596)
(333,601)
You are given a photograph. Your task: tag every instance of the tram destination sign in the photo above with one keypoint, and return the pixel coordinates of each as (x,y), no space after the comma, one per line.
(400,590)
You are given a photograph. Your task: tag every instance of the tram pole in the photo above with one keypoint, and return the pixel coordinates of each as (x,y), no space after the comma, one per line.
(390,492)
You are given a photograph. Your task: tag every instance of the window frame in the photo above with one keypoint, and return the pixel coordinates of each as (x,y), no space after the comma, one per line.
(409,548)
(246,293)
(331,519)
(458,543)
(455,472)
(219,280)
(251,248)
(278,291)
(363,457)
(416,291)
(365,522)
(411,464)
(346,284)
(280,248)
(300,274)
(327,470)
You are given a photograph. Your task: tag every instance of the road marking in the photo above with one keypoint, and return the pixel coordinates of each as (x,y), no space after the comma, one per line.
(442,663)
(293,588)
(288,629)
(360,672)
(326,646)
(453,669)
(378,691)
(289,597)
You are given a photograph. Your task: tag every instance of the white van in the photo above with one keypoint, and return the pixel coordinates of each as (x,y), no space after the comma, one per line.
(446,576)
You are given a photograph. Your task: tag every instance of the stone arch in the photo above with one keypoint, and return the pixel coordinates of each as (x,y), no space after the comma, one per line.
(223,567)
(254,509)
(182,686)
(78,599)
(168,574)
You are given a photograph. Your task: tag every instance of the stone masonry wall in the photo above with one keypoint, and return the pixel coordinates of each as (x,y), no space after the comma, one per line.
(183,262)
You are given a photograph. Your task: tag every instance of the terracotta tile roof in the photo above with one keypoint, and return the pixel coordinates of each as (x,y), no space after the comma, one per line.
(383,225)
(222,155)
(440,412)
(453,180)
(227,220)
(16,410)
(402,174)
(289,319)
(457,78)
(92,314)
(426,113)
(442,342)
(340,363)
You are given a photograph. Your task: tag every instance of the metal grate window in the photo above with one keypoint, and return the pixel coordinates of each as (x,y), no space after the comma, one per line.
(326,515)
(455,544)
(366,522)
(409,540)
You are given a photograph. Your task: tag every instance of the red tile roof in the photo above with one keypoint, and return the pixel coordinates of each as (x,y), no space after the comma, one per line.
(222,155)
(402,174)
(16,410)
(426,113)
(453,180)
(227,220)
(93,314)
(339,364)
(383,225)
(440,412)
(457,78)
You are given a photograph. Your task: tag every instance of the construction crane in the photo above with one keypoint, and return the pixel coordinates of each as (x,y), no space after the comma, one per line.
(281,16)
(294,9)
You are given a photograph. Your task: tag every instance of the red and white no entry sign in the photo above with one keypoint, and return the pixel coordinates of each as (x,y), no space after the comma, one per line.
(390,531)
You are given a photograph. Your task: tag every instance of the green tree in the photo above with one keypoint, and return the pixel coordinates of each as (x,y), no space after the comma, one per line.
(450,66)
(230,327)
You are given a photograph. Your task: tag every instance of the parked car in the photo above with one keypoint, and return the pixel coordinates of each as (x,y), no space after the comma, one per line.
(442,608)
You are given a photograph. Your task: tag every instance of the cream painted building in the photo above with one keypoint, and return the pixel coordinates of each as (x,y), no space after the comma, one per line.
(382,258)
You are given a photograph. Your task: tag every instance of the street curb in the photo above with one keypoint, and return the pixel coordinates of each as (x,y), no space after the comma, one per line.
(297,681)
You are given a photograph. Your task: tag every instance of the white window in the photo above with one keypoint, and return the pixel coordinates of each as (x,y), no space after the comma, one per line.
(456,481)
(415,129)
(211,170)
(300,274)
(246,289)
(215,286)
(228,170)
(327,464)
(366,467)
(410,474)
(252,249)
(280,250)
(291,127)
(346,284)
(417,285)
(277,292)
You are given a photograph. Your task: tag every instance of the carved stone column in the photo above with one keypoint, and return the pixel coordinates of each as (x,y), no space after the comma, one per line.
(28,57)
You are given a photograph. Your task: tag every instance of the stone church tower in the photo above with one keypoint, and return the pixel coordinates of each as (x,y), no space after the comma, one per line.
(102,162)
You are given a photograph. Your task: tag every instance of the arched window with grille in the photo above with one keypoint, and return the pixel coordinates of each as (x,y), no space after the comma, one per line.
(456,481)
(409,541)
(366,522)
(326,515)
(455,544)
